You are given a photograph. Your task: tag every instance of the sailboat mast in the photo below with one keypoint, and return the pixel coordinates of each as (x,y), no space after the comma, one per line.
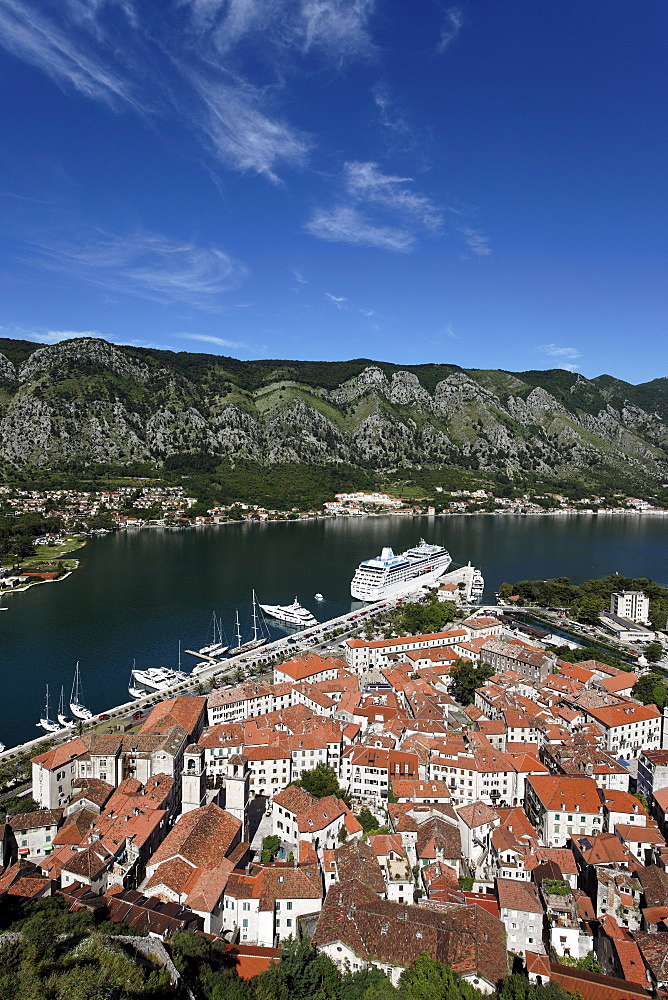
(238,630)
(254,618)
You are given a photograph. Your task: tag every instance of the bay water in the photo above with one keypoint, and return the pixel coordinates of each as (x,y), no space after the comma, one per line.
(138,593)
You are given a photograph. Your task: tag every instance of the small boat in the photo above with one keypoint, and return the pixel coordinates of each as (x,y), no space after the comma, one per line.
(77,707)
(319,597)
(46,722)
(63,719)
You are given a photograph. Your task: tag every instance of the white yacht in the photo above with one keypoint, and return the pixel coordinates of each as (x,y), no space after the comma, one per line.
(291,614)
(77,707)
(389,575)
(319,597)
(154,679)
(477,585)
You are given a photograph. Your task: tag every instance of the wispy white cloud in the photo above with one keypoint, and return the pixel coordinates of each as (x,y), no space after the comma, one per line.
(299,277)
(181,66)
(452,24)
(370,313)
(477,242)
(365,182)
(64,56)
(553,351)
(569,368)
(347,225)
(365,185)
(389,113)
(338,300)
(41,335)
(240,134)
(337,26)
(206,338)
(148,265)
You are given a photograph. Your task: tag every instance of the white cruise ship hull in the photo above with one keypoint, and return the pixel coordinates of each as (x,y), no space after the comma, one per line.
(365,592)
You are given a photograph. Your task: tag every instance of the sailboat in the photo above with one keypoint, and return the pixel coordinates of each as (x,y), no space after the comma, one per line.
(46,722)
(217,647)
(63,719)
(256,641)
(77,707)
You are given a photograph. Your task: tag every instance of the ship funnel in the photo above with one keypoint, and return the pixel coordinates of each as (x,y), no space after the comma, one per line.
(387,553)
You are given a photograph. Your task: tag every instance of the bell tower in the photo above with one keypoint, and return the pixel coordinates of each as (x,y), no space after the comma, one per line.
(237,789)
(193,779)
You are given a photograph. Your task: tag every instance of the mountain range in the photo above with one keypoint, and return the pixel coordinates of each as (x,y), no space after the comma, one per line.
(89,401)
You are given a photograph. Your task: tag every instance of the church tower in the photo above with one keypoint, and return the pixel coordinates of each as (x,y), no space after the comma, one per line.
(193,779)
(237,790)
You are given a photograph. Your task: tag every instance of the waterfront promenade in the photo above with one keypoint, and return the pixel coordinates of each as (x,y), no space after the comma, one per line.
(223,670)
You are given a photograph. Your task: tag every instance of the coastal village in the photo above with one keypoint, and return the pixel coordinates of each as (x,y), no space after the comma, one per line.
(521,828)
(130,506)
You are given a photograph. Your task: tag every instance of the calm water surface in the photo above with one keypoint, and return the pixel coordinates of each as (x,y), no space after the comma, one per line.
(138,593)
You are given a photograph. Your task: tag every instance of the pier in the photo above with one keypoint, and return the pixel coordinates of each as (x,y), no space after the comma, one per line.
(220,670)
(225,670)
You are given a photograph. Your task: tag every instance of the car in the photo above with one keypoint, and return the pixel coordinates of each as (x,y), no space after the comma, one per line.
(138,715)
(104,717)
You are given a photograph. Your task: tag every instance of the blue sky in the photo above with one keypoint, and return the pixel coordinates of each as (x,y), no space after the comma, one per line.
(481,184)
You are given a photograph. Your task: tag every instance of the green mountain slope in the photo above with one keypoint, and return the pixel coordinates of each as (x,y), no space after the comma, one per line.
(88,401)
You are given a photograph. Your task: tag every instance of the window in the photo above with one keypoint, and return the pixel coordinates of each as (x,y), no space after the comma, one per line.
(289,906)
(244,923)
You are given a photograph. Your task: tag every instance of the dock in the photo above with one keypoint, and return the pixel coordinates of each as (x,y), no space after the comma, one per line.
(221,670)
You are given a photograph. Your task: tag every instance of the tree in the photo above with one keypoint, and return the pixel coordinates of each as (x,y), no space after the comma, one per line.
(589,609)
(343,835)
(427,979)
(651,690)
(270,848)
(654,652)
(367,820)
(466,678)
(321,781)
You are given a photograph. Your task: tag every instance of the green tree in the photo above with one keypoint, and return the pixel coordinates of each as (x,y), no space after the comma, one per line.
(367,820)
(270,847)
(651,690)
(654,652)
(321,781)
(466,678)
(427,979)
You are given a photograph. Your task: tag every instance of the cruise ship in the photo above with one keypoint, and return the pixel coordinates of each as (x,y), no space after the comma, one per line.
(388,575)
(291,614)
